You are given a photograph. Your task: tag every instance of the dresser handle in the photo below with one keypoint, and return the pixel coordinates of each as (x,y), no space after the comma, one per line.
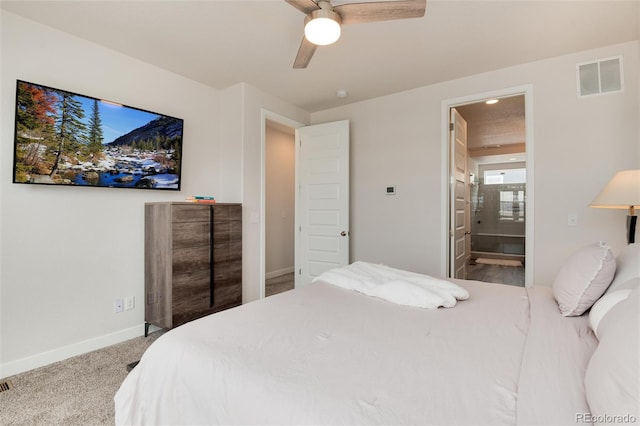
(211,258)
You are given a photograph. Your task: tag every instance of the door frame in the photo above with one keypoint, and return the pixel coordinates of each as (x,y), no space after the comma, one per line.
(446,105)
(265,115)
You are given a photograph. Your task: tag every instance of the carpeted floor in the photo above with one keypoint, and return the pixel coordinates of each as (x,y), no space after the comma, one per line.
(76,391)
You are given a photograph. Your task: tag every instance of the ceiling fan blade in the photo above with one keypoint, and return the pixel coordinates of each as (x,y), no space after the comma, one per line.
(358,13)
(305,6)
(305,52)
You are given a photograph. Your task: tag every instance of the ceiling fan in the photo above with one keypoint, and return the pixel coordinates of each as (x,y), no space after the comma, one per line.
(323,21)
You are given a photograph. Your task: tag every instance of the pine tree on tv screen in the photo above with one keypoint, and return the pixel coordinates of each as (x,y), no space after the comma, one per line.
(68,139)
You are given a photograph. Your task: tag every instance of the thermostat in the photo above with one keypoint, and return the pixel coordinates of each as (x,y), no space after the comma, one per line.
(391,190)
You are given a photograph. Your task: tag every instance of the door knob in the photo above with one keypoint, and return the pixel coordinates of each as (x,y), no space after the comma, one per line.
(344,233)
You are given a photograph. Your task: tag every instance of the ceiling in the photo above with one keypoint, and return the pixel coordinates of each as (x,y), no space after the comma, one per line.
(224,42)
(496,132)
(494,125)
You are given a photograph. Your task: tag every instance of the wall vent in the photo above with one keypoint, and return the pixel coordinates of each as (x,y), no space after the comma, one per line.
(599,77)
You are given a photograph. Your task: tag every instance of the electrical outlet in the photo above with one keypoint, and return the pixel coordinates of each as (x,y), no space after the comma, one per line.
(118,306)
(129,303)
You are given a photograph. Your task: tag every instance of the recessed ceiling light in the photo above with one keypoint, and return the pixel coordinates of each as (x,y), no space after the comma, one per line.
(491,101)
(341,93)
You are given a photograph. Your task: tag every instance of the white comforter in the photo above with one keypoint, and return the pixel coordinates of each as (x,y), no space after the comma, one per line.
(395,285)
(325,355)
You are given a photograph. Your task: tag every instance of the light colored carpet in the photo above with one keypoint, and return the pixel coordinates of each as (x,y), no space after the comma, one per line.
(76,391)
(503,262)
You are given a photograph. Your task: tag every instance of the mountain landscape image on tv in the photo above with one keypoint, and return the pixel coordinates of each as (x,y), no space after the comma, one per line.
(62,138)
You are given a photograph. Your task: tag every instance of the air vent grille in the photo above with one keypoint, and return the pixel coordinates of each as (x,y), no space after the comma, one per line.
(5,386)
(599,77)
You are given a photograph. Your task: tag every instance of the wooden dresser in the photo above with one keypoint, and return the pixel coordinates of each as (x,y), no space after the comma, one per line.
(193,261)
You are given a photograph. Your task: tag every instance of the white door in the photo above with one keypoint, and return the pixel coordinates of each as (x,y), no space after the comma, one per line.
(459,222)
(322,201)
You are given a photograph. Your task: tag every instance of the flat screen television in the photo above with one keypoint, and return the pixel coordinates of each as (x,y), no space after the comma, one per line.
(63,138)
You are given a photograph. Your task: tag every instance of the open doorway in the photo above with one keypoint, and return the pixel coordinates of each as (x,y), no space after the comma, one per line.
(488,200)
(320,201)
(279,161)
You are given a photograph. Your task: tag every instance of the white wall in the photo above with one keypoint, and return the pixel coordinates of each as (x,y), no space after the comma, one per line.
(231,143)
(67,253)
(578,145)
(280,201)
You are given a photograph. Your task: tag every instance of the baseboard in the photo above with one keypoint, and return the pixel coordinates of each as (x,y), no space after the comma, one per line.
(45,358)
(279,272)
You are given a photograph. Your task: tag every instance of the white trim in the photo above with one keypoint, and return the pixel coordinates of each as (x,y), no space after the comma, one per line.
(447,104)
(529,270)
(62,353)
(296,214)
(444,186)
(279,272)
(265,115)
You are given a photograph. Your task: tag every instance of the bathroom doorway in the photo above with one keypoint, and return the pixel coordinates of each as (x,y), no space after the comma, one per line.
(495,197)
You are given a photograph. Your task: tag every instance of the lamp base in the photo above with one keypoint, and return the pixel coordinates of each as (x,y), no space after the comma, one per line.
(631,229)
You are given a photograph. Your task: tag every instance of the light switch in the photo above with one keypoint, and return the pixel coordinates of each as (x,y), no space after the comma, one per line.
(572,220)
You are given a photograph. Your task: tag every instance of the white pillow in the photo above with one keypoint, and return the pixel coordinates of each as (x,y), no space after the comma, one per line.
(604,305)
(584,278)
(611,379)
(628,266)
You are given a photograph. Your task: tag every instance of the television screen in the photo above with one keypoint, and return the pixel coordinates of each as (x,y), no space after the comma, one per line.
(62,138)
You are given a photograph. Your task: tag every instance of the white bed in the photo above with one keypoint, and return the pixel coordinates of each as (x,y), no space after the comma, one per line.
(326,355)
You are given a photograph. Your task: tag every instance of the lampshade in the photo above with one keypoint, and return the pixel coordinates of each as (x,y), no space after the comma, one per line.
(622,192)
(322,27)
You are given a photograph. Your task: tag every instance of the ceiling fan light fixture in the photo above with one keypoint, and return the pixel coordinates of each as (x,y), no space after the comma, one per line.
(322,27)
